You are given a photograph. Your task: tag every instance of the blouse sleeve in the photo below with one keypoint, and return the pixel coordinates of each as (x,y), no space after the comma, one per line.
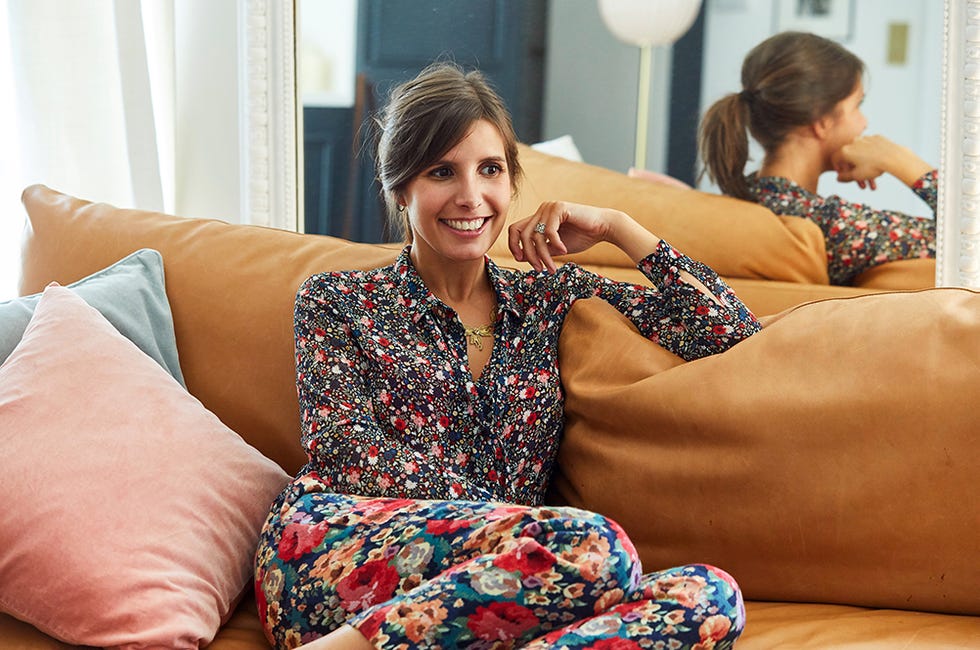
(927,188)
(354,452)
(677,313)
(859,237)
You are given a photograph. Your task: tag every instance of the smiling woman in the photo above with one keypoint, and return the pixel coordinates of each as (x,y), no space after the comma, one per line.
(416,409)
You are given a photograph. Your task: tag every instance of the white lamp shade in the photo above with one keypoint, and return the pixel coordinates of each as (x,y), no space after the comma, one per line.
(649,22)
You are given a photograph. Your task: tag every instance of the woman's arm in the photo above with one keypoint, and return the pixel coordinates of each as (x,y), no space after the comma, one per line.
(562,228)
(572,228)
(690,310)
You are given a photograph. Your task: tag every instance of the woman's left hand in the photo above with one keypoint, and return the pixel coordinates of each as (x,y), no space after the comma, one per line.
(870,156)
(558,228)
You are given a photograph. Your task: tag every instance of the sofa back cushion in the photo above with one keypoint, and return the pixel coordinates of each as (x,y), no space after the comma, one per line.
(735,238)
(231,291)
(830,458)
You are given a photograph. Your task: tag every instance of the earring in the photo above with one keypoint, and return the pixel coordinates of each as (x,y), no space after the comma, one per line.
(401,208)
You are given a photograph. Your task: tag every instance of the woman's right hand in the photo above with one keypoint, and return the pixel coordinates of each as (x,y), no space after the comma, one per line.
(868,157)
(561,228)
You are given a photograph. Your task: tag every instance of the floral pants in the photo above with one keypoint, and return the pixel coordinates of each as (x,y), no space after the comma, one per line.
(460,574)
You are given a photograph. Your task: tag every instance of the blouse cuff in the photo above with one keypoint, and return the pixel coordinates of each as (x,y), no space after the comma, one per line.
(666,261)
(929,179)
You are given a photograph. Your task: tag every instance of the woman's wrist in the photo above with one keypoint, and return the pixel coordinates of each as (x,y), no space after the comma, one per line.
(907,167)
(629,236)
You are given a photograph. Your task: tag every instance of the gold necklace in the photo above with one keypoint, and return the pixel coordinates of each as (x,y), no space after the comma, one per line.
(475,335)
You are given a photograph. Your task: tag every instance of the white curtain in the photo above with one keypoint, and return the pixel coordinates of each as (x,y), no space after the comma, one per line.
(85,94)
(100,98)
(89,108)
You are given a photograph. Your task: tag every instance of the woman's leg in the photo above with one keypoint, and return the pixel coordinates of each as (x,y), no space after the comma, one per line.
(435,573)
(694,606)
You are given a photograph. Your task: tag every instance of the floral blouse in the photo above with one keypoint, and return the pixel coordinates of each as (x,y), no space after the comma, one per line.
(857,236)
(387,401)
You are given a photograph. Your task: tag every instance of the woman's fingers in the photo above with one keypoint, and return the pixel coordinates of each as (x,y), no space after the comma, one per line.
(535,239)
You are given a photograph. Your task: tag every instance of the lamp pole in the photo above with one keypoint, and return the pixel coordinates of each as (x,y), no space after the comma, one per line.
(642,108)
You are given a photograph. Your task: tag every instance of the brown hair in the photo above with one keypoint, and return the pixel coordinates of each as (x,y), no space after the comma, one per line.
(427,116)
(789,80)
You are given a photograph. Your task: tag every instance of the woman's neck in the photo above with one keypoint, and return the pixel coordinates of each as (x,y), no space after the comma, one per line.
(457,283)
(797,160)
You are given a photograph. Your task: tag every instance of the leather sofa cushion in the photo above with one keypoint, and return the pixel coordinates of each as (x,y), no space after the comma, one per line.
(735,238)
(830,458)
(899,275)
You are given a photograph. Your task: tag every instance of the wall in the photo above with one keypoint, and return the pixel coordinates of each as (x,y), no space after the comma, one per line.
(591,88)
(209,118)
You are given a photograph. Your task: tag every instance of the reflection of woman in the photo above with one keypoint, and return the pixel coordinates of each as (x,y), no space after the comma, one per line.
(447,433)
(801,100)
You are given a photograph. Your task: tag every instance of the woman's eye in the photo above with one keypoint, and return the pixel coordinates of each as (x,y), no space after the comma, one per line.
(441,172)
(492,169)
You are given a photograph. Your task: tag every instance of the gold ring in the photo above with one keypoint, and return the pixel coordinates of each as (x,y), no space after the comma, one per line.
(539,228)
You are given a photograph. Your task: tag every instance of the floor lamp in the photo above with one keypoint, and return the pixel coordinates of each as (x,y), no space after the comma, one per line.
(647,23)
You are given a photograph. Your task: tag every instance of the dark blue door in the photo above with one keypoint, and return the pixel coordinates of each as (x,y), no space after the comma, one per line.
(396,39)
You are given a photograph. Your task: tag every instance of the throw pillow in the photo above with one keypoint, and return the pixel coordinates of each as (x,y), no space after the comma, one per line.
(656,177)
(131,294)
(830,458)
(130,513)
(562,146)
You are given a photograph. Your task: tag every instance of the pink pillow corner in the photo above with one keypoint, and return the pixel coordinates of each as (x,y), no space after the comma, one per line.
(657,177)
(141,509)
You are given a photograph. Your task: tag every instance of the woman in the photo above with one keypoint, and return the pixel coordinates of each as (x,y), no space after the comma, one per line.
(431,408)
(801,100)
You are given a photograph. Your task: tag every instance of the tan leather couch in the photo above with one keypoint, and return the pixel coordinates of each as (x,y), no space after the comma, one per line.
(829,462)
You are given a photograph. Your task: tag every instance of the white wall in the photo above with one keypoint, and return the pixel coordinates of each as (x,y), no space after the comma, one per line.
(327,34)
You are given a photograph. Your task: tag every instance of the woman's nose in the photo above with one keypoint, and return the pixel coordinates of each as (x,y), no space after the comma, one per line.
(469,194)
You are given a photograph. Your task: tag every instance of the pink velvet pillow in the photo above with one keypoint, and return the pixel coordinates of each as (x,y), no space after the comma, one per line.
(130,513)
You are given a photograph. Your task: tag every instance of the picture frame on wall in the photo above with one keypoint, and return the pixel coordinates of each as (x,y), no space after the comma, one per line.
(828,18)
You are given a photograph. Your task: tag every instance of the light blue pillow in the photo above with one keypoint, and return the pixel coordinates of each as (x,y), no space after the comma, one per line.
(131,294)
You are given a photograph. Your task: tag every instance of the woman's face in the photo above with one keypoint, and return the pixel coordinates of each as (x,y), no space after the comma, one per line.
(848,122)
(458,205)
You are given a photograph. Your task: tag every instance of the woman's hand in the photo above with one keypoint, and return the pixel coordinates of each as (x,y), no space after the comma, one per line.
(560,228)
(868,157)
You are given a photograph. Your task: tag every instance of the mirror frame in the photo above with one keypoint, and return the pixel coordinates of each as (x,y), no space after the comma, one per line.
(958,227)
(272,181)
(272,167)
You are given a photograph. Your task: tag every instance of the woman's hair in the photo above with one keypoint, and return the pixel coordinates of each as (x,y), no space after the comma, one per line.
(427,116)
(789,80)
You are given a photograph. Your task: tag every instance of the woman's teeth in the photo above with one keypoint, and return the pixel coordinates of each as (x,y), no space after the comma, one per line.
(465,224)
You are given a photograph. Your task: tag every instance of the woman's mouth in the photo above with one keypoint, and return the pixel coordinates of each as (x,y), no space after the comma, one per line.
(466,225)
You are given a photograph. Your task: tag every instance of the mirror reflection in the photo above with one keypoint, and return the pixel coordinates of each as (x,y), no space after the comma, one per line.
(566,76)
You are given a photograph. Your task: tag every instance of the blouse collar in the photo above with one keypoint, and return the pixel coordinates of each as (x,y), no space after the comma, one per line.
(417,296)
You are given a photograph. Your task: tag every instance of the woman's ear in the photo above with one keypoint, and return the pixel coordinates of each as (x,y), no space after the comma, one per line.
(822,126)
